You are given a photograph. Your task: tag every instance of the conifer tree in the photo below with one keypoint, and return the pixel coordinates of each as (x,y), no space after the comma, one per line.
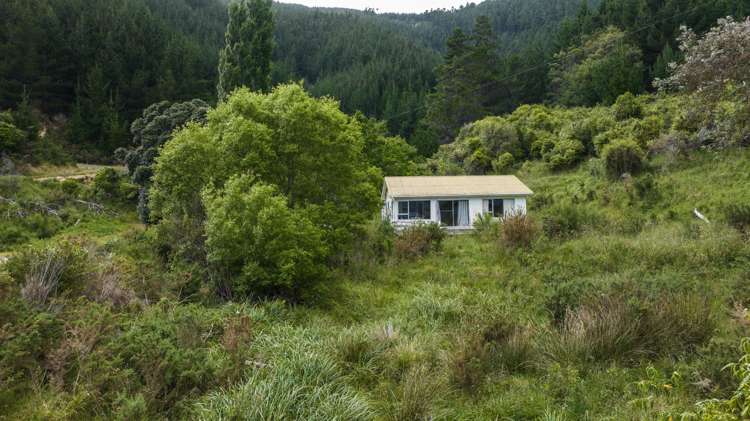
(246,57)
(467,88)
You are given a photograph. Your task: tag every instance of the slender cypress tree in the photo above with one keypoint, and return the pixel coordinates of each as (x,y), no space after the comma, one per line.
(246,57)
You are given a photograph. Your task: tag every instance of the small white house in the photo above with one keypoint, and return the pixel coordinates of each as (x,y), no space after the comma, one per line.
(452,201)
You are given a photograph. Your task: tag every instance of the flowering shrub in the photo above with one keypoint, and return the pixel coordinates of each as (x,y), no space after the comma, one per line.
(712,62)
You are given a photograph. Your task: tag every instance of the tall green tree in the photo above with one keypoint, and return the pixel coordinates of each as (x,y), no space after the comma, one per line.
(467,87)
(246,57)
(598,71)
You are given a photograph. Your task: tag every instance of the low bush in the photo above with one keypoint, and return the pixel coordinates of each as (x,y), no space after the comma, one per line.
(48,271)
(372,248)
(623,156)
(518,231)
(565,220)
(627,106)
(486,225)
(418,240)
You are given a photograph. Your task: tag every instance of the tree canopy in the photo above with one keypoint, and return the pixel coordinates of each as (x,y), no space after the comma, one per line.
(309,152)
(246,57)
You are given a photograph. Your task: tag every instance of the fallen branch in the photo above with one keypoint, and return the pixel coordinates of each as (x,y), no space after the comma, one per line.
(92,206)
(21,213)
(700,216)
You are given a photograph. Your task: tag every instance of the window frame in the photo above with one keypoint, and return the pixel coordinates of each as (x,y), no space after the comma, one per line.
(492,207)
(421,209)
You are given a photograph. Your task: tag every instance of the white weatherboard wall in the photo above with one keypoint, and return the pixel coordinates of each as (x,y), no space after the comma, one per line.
(514,205)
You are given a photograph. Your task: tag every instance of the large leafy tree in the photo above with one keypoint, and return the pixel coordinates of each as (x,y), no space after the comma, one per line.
(306,148)
(246,57)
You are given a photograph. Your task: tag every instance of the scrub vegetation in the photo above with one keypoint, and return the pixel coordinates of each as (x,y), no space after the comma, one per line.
(629,312)
(239,270)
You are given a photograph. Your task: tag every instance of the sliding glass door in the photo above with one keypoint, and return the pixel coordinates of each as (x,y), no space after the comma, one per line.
(454,213)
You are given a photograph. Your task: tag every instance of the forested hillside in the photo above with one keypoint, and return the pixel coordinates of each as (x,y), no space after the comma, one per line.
(91,67)
(236,265)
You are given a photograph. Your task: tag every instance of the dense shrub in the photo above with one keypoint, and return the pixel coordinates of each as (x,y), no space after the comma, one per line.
(110,186)
(518,231)
(26,336)
(479,146)
(623,156)
(48,271)
(418,240)
(372,248)
(304,146)
(150,132)
(171,352)
(627,107)
(564,153)
(259,242)
(565,220)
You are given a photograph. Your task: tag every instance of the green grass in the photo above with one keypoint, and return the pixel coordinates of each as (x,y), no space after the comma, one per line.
(474,331)
(51,171)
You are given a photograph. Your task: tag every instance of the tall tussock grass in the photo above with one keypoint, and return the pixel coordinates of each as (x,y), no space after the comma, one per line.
(300,382)
(612,327)
(518,231)
(417,393)
(498,345)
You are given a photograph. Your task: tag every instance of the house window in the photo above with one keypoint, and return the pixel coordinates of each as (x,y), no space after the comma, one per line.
(496,207)
(414,209)
(454,213)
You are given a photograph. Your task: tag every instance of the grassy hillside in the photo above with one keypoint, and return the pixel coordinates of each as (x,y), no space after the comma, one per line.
(624,307)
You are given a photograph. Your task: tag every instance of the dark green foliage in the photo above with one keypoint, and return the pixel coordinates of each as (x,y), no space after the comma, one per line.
(654,26)
(738,216)
(150,132)
(101,64)
(248,44)
(623,156)
(418,240)
(464,92)
(566,220)
(599,70)
(627,107)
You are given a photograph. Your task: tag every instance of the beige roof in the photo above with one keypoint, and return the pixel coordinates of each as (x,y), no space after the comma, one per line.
(452,186)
